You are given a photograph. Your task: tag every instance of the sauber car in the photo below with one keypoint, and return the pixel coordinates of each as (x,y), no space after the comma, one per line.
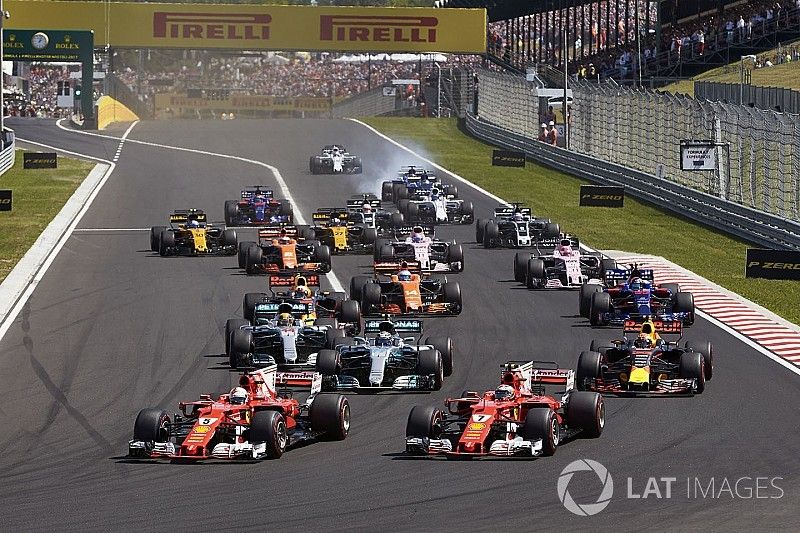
(257,207)
(384,360)
(189,233)
(644,363)
(334,159)
(514,227)
(253,421)
(515,419)
(558,264)
(420,246)
(631,293)
(405,293)
(280,251)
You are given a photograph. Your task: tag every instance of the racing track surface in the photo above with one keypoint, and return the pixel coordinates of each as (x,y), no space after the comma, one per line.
(113,328)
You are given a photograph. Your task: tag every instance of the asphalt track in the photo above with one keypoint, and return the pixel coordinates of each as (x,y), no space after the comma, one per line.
(112,328)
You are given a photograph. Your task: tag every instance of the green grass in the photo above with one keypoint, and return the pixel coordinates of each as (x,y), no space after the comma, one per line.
(638,227)
(38,196)
(784,75)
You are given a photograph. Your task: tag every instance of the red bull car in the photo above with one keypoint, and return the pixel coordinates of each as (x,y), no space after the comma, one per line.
(515,419)
(253,421)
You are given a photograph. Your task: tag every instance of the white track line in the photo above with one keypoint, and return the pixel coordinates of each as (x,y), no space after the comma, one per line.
(749,342)
(42,264)
(336,284)
(100,230)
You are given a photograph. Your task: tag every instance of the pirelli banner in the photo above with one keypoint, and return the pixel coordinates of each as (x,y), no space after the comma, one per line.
(772,264)
(260,27)
(168,105)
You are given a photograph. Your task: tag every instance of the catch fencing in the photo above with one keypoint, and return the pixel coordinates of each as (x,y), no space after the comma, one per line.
(770,98)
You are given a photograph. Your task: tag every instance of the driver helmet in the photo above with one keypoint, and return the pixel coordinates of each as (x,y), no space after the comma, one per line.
(284,239)
(565,250)
(336,151)
(636,284)
(366,209)
(417,235)
(642,341)
(412,171)
(193,223)
(503,392)
(239,396)
(336,221)
(285,319)
(302,291)
(404,275)
(518,216)
(384,338)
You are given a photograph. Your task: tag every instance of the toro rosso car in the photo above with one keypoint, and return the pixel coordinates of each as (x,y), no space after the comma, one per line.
(334,159)
(257,207)
(515,419)
(252,421)
(419,247)
(279,251)
(384,360)
(436,208)
(514,227)
(644,363)
(189,233)
(333,228)
(631,293)
(564,267)
(405,293)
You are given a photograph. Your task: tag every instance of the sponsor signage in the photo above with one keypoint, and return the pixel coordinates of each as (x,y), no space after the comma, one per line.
(772,264)
(6,200)
(390,91)
(262,27)
(698,155)
(46,45)
(39,160)
(179,103)
(602,196)
(508,158)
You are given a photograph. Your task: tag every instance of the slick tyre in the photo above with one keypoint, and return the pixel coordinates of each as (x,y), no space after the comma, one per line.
(542,423)
(370,298)
(520,266)
(330,414)
(587,412)
(155,238)
(491,233)
(233,324)
(600,304)
(328,363)
(692,367)
(350,312)
(451,292)
(231,212)
(444,345)
(585,297)
(480,226)
(535,277)
(684,303)
(430,364)
(254,260)
(249,304)
(705,349)
(424,422)
(241,347)
(166,243)
(588,369)
(241,253)
(357,284)
(332,337)
(269,427)
(152,425)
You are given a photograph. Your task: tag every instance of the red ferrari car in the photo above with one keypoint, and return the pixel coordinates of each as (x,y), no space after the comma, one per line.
(516,419)
(253,421)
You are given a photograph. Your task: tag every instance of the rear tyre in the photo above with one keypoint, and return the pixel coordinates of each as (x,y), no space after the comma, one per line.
(326,323)
(328,363)
(451,292)
(241,253)
(332,337)
(424,422)
(241,346)
(398,220)
(357,284)
(286,209)
(229,237)
(155,236)
(330,414)
(535,274)
(490,235)
(455,254)
(480,225)
(684,303)
(152,425)
(350,312)
(369,236)
(606,265)
(542,423)
(231,212)
(371,298)
(587,412)
(166,243)
(249,304)
(467,212)
(599,305)
(322,255)
(588,369)
(386,191)
(551,230)
(673,288)
(402,205)
(587,290)
(691,367)
(269,427)
(233,324)
(430,364)
(254,259)
(705,349)
(412,212)
(444,345)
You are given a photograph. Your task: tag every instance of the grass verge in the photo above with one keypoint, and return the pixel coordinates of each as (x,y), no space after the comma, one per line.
(38,196)
(638,227)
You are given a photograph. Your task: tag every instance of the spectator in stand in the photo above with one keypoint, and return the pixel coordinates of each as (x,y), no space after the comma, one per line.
(740,28)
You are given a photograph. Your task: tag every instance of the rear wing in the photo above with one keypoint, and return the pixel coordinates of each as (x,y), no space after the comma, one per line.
(621,275)
(406,325)
(405,231)
(387,268)
(555,242)
(182,215)
(249,192)
(326,214)
(533,373)
(662,327)
(290,280)
(355,204)
(270,232)
(300,379)
(508,212)
(270,309)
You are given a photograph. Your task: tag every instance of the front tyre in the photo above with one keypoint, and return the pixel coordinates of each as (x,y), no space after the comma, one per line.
(330,414)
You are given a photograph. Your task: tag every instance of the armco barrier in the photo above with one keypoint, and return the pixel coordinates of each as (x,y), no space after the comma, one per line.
(749,224)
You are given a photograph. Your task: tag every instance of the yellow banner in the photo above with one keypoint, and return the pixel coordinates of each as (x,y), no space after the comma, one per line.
(251,27)
(180,103)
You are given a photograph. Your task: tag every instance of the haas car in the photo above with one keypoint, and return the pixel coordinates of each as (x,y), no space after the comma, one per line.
(405,292)
(257,207)
(435,207)
(412,183)
(189,233)
(644,363)
(420,246)
(384,360)
(559,264)
(514,227)
(632,293)
(334,159)
(289,328)
(252,421)
(280,251)
(516,419)
(365,210)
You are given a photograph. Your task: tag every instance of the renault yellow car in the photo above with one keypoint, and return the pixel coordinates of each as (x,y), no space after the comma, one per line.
(189,233)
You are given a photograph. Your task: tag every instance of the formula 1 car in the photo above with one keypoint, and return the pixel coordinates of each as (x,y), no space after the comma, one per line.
(253,421)
(365,210)
(564,267)
(405,294)
(412,182)
(516,419)
(514,227)
(432,255)
(387,361)
(189,233)
(257,207)
(436,208)
(279,251)
(643,363)
(334,159)
(334,229)
(630,293)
